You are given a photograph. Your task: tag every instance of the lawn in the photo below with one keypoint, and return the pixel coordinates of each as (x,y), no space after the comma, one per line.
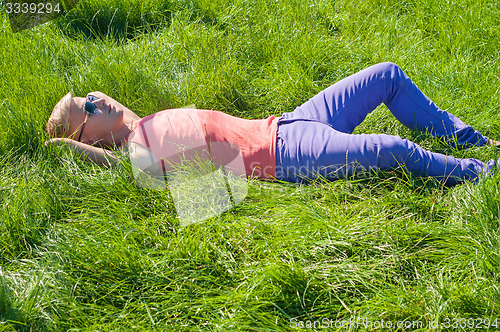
(85,248)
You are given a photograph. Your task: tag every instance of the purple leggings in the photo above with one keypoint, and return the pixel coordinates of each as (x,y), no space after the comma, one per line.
(315,139)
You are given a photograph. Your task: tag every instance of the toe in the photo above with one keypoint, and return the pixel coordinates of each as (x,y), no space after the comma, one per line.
(493,143)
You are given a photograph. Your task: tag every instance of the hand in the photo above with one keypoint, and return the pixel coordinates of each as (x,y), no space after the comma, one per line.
(54,141)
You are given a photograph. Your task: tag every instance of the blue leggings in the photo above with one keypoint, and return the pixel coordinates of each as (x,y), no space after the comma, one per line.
(315,139)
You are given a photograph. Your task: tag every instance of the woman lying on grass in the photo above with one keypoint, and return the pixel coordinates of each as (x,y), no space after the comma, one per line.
(313,141)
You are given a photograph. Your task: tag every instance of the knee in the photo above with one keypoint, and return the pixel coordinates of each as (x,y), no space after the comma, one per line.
(390,69)
(396,150)
(389,65)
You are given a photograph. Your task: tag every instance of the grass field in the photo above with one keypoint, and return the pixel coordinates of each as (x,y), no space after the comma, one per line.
(83,248)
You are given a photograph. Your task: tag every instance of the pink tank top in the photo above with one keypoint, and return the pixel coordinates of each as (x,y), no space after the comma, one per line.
(256,139)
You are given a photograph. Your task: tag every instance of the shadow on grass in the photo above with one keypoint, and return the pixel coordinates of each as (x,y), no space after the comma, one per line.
(116,19)
(126,20)
(8,314)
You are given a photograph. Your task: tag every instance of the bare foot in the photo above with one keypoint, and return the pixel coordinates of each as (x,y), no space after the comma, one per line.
(493,143)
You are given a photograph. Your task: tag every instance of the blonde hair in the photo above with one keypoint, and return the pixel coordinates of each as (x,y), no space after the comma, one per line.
(58,124)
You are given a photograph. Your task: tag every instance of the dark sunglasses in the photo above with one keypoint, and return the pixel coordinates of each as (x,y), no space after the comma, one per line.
(89,109)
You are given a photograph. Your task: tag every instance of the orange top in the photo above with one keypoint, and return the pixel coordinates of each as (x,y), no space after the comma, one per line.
(256,139)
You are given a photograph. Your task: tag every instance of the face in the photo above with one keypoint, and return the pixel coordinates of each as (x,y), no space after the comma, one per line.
(99,127)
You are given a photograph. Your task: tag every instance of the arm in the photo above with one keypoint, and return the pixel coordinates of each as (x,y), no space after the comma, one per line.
(97,155)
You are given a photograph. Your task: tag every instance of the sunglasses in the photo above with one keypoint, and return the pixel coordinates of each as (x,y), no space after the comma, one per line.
(89,109)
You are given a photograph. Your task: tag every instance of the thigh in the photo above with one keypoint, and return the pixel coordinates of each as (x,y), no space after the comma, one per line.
(307,150)
(345,104)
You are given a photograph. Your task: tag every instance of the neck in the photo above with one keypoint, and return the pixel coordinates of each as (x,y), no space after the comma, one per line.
(129,120)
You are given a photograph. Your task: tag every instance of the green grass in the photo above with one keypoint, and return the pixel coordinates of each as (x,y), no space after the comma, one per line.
(83,248)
